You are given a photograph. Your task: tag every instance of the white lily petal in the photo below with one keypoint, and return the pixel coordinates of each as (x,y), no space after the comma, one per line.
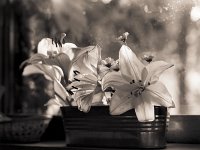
(33,69)
(92,68)
(88,78)
(84,66)
(158,95)
(90,56)
(46,45)
(102,70)
(97,98)
(81,85)
(121,103)
(144,111)
(67,49)
(95,55)
(62,60)
(155,69)
(54,72)
(50,72)
(84,100)
(61,92)
(36,58)
(130,66)
(58,72)
(80,94)
(114,79)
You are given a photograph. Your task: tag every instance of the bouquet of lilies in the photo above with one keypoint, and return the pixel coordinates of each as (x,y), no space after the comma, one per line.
(82,78)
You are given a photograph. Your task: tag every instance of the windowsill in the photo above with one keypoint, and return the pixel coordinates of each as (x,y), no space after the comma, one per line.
(60,145)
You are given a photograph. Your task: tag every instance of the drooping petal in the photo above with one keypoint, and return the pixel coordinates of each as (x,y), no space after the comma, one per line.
(87,87)
(155,69)
(50,72)
(144,110)
(58,72)
(54,72)
(115,80)
(32,69)
(37,58)
(121,102)
(84,100)
(97,98)
(130,66)
(158,95)
(61,60)
(61,93)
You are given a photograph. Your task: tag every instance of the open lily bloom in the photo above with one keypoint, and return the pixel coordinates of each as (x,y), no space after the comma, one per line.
(51,52)
(86,84)
(50,48)
(137,86)
(87,91)
(67,56)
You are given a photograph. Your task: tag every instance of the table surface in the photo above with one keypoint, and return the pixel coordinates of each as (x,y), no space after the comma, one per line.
(60,145)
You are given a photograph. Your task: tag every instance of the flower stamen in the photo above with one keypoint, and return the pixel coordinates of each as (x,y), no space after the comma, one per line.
(77,79)
(133,81)
(74,87)
(139,91)
(76,72)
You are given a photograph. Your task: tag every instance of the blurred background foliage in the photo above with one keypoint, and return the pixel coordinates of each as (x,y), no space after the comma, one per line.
(169,29)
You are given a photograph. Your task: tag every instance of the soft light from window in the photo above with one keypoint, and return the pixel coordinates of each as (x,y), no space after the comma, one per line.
(195,13)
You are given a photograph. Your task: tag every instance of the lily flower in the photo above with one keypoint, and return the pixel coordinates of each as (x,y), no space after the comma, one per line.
(137,86)
(107,65)
(51,53)
(87,91)
(148,58)
(86,83)
(51,48)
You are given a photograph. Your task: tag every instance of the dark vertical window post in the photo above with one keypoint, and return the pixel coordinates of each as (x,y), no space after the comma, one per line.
(7,55)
